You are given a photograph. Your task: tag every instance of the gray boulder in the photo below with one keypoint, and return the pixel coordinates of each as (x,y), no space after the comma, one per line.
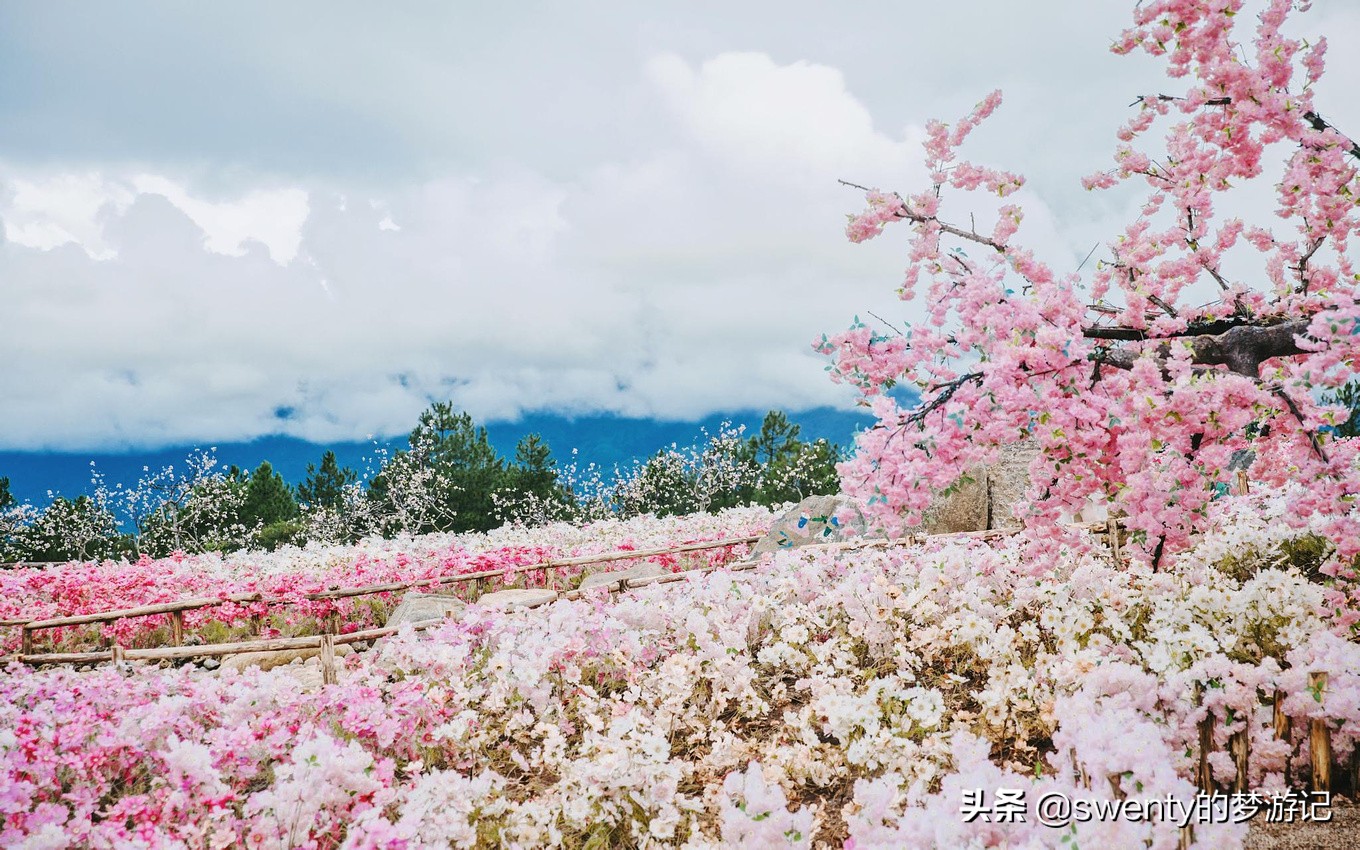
(612,579)
(989,496)
(423,607)
(816,519)
(270,659)
(984,498)
(509,600)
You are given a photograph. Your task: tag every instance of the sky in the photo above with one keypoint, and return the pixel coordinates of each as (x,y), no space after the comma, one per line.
(225,221)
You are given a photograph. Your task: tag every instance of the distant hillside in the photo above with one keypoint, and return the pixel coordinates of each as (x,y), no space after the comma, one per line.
(605,440)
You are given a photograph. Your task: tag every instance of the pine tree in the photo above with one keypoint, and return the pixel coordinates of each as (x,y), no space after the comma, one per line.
(535,470)
(268,499)
(325,487)
(445,481)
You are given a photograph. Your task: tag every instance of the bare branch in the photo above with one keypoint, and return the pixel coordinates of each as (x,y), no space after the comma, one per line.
(1242,348)
(1298,415)
(945,227)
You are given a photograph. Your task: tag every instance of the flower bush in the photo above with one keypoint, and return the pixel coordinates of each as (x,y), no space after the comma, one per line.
(287,575)
(840,697)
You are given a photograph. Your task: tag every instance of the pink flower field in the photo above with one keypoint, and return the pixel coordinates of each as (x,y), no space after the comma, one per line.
(822,698)
(285,578)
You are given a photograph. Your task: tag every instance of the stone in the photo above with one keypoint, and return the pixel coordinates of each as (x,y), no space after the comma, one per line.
(1007,481)
(509,600)
(612,579)
(308,678)
(985,497)
(277,658)
(991,493)
(816,519)
(962,507)
(211,664)
(423,607)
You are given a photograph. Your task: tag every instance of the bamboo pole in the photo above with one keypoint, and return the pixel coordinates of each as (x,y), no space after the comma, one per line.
(551,564)
(1320,740)
(1281,720)
(390,587)
(169,653)
(1187,839)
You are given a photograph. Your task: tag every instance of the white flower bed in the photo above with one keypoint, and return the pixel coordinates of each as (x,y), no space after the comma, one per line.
(842,698)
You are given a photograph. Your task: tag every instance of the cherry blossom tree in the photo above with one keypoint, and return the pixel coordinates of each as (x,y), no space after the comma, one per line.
(1134,389)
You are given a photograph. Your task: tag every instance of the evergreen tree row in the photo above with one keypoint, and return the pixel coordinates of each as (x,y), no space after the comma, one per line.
(449,478)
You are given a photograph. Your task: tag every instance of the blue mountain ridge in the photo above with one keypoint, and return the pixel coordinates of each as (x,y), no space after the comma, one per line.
(602,439)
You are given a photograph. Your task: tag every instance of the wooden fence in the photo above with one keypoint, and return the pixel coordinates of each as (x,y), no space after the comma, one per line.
(331,637)
(177,608)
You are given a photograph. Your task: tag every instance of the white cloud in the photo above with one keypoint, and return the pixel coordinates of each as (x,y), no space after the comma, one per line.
(46,212)
(636,214)
(665,286)
(272,217)
(796,121)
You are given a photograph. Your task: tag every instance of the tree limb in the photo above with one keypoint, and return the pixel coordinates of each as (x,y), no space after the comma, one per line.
(1316,121)
(1216,326)
(1242,348)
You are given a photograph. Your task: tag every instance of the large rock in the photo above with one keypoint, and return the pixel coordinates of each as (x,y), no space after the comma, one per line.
(985,497)
(1007,481)
(423,607)
(509,600)
(612,579)
(278,658)
(816,519)
(962,507)
(989,495)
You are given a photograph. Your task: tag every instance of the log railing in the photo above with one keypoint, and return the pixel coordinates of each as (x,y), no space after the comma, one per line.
(177,608)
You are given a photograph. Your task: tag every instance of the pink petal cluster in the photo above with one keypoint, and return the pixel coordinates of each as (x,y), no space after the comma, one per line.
(1010,349)
(284,578)
(732,708)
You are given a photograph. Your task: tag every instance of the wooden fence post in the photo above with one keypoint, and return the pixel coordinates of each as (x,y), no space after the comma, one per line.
(328,676)
(1204,777)
(26,641)
(1320,739)
(1283,730)
(1239,745)
(177,628)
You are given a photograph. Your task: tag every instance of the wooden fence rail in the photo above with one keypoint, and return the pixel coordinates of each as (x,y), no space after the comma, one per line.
(176,608)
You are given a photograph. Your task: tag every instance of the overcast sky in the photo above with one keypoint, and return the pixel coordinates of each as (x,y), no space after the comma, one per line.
(228,220)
